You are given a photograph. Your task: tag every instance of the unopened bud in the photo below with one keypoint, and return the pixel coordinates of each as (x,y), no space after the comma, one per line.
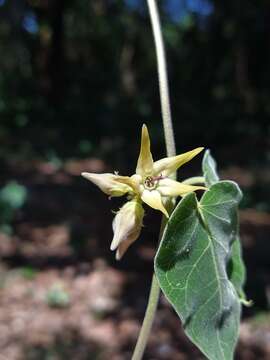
(127,226)
(107,183)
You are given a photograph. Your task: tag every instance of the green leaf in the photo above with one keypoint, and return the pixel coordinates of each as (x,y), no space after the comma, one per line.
(236,267)
(237,270)
(209,169)
(191,266)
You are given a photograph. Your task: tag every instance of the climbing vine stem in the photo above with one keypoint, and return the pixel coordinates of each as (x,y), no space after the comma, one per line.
(170,149)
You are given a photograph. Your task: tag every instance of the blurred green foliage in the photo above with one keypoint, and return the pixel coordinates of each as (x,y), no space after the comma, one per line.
(79,78)
(57,296)
(12,197)
(28,272)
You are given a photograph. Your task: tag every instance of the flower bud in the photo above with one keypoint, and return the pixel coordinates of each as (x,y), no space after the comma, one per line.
(107,183)
(127,226)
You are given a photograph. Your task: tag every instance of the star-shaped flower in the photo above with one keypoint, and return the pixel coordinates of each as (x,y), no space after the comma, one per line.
(151,184)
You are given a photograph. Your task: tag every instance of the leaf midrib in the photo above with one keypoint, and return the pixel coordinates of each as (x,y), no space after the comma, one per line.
(211,240)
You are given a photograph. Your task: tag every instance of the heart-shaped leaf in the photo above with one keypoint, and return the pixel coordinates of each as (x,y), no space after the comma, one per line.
(236,267)
(192,263)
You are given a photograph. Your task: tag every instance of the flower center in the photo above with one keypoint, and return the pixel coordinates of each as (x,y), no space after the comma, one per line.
(151,182)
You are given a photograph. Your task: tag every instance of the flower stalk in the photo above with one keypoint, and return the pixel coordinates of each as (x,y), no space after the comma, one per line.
(162,78)
(171,151)
(150,309)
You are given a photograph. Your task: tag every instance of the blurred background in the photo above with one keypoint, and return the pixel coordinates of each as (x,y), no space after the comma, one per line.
(77,81)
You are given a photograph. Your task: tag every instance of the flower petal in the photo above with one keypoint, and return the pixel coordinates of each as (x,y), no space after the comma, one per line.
(169,165)
(122,248)
(108,183)
(145,160)
(169,187)
(127,226)
(153,199)
(132,181)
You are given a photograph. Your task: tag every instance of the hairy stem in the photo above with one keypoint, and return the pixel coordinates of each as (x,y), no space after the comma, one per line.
(163,79)
(148,320)
(150,310)
(170,149)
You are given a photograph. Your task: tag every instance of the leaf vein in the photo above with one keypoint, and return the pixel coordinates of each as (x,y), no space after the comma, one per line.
(220,203)
(218,217)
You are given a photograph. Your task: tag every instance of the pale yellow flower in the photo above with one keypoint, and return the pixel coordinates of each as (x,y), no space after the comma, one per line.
(150,184)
